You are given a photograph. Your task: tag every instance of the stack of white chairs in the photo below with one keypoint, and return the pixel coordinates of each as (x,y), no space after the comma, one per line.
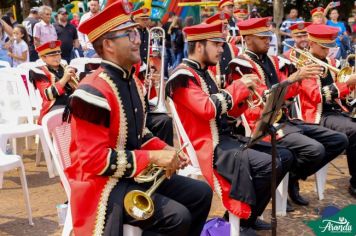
(58,135)
(194,169)
(14,106)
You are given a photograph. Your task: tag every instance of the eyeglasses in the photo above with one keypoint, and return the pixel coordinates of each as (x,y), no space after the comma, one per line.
(132,34)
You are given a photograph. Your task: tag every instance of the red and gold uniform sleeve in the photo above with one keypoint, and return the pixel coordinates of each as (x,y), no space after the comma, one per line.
(94,137)
(212,106)
(47,90)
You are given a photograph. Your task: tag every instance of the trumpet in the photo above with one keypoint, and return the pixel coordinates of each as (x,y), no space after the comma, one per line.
(342,75)
(139,204)
(74,80)
(251,101)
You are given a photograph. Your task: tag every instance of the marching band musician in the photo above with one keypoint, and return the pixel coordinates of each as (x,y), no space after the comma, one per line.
(230,49)
(320,98)
(300,37)
(242,178)
(160,124)
(110,144)
(53,80)
(142,17)
(227,6)
(240,14)
(313,145)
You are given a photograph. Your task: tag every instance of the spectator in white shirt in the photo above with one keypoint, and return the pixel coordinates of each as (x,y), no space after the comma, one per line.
(44,31)
(87,47)
(19,49)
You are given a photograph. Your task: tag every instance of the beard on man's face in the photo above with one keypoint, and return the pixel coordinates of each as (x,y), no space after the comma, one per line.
(209,61)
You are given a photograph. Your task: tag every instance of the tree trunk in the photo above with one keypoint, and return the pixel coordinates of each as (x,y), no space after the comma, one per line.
(278,13)
(26,8)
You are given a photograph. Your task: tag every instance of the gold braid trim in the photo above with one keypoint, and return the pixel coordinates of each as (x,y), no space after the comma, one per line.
(319,109)
(327,93)
(121,161)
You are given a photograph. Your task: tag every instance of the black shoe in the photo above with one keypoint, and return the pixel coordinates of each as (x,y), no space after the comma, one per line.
(352,191)
(226,216)
(293,191)
(247,231)
(261,225)
(290,208)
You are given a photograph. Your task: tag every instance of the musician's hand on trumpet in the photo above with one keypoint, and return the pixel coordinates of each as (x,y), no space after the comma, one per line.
(310,71)
(351,81)
(170,160)
(69,73)
(250,80)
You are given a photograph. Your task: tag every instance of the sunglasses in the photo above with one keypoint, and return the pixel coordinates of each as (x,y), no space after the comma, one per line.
(132,34)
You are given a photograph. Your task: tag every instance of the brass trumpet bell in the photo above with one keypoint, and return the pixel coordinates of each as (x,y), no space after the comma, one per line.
(138,205)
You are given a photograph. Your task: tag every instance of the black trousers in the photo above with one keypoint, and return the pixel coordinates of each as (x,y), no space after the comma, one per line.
(314,147)
(344,124)
(250,171)
(161,126)
(181,207)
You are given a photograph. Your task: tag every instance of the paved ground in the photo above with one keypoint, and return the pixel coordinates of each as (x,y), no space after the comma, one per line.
(45,193)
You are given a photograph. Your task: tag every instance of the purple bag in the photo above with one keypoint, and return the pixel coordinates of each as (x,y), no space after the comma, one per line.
(216,227)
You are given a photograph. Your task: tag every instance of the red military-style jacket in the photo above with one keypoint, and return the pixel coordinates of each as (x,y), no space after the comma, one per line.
(50,89)
(99,153)
(313,95)
(245,64)
(199,112)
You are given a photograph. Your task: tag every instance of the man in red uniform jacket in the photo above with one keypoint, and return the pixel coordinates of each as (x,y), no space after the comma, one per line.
(321,97)
(313,145)
(242,178)
(111,145)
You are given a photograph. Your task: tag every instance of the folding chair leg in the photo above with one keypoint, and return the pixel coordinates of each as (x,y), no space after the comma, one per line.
(25,193)
(234,225)
(38,154)
(281,196)
(1,179)
(320,181)
(68,224)
(47,155)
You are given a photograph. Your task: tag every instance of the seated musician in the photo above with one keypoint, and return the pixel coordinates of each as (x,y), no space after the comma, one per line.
(242,178)
(110,144)
(230,49)
(321,97)
(160,124)
(313,145)
(54,81)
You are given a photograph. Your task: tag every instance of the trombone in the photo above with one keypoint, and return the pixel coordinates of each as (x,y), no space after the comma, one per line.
(155,62)
(139,204)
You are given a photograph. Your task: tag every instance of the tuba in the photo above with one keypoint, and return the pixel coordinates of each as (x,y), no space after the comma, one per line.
(155,70)
(139,204)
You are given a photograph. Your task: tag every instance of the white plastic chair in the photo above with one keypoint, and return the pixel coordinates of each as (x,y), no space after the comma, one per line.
(194,169)
(4,64)
(14,104)
(58,135)
(35,97)
(80,62)
(10,162)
